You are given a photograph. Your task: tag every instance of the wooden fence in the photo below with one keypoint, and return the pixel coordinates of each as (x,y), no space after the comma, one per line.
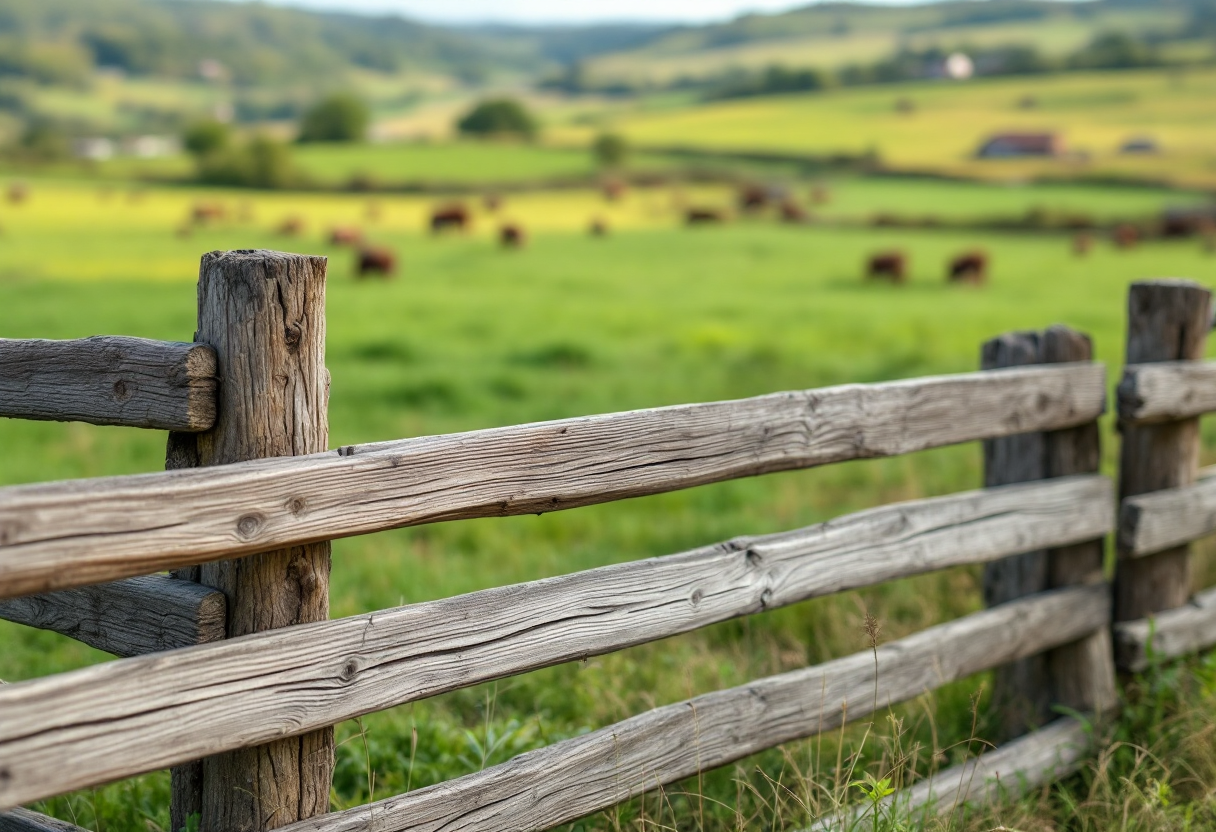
(231,674)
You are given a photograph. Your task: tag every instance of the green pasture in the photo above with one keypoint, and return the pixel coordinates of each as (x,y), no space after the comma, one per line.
(1095,112)
(471,336)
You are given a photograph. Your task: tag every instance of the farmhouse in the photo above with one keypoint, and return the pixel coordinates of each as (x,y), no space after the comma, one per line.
(1006,145)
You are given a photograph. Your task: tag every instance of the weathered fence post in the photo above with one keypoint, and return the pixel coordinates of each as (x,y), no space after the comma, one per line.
(1167,320)
(1080,675)
(264,313)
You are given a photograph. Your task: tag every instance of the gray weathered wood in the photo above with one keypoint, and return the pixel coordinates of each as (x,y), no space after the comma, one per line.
(23,820)
(118,719)
(1168,320)
(1003,773)
(1078,675)
(1177,632)
(88,531)
(127,618)
(1166,392)
(109,380)
(1162,520)
(576,777)
(264,313)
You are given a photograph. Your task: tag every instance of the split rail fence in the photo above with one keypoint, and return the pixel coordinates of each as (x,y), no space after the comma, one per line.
(231,675)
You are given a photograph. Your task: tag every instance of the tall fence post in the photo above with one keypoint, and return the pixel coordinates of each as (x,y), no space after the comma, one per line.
(1167,320)
(1080,675)
(264,313)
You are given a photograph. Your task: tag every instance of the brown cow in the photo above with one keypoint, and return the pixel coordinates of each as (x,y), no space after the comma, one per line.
(204,212)
(752,198)
(613,189)
(347,236)
(291,227)
(969,267)
(491,202)
(1126,236)
(512,235)
(702,216)
(1081,244)
(453,215)
(18,192)
(598,227)
(888,265)
(793,212)
(820,195)
(380,262)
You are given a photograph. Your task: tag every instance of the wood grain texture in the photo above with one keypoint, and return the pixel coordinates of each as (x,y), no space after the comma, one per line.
(264,314)
(1168,320)
(109,380)
(127,618)
(23,820)
(1166,392)
(1003,773)
(89,531)
(576,777)
(1177,632)
(171,707)
(1162,520)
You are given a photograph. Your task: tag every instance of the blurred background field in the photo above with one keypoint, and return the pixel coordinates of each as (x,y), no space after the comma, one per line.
(839,111)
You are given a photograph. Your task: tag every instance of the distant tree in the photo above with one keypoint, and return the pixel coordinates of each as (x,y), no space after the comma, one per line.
(1114,50)
(261,163)
(610,149)
(341,117)
(43,141)
(203,138)
(498,117)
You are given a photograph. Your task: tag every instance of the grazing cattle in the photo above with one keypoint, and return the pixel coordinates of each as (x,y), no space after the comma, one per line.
(204,212)
(1081,244)
(380,262)
(704,216)
(820,195)
(1126,236)
(598,227)
(613,189)
(888,265)
(793,212)
(185,230)
(18,192)
(752,198)
(970,267)
(491,202)
(512,235)
(345,236)
(291,227)
(454,216)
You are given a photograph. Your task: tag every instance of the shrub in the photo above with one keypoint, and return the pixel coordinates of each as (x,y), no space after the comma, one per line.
(341,117)
(498,117)
(610,149)
(206,137)
(262,163)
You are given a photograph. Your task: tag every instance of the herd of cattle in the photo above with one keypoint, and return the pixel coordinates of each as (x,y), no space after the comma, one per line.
(970,267)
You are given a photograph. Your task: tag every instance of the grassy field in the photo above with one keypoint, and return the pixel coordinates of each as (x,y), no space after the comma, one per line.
(1095,112)
(472,336)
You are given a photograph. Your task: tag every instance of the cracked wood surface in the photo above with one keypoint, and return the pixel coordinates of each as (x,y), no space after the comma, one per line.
(1167,391)
(109,380)
(23,820)
(1176,632)
(1160,520)
(114,720)
(576,777)
(79,532)
(127,618)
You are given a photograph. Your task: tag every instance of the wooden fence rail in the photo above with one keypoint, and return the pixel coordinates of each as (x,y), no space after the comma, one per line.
(75,533)
(172,707)
(232,663)
(110,380)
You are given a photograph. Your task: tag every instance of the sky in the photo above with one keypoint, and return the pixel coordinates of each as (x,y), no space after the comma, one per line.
(556,11)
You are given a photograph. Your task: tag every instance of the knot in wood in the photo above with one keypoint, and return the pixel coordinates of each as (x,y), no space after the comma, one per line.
(249,525)
(350,670)
(297,506)
(697,595)
(122,390)
(293,334)
(766,598)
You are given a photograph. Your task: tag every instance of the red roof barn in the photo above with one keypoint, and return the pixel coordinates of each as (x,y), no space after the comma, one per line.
(1006,145)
